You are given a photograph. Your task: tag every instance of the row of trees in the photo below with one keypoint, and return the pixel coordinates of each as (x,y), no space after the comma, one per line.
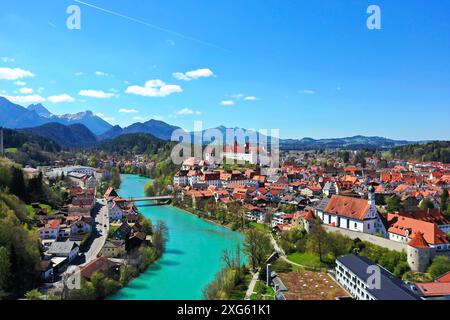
(230,281)
(329,246)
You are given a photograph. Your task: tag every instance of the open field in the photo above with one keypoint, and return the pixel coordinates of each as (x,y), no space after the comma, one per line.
(310,285)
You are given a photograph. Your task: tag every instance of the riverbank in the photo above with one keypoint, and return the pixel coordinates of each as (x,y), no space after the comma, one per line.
(192,257)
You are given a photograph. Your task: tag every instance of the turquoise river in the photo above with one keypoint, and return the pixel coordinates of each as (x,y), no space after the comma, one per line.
(192,258)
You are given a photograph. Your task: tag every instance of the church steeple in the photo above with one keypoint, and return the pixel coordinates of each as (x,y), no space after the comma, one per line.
(372,195)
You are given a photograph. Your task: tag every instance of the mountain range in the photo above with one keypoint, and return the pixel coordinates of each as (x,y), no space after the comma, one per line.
(75,135)
(85,128)
(14,116)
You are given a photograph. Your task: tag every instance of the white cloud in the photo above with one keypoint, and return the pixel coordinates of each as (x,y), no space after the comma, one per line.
(194,74)
(187,111)
(99,114)
(308,91)
(35,98)
(128,110)
(20,83)
(154,88)
(138,118)
(250,98)
(237,95)
(170,43)
(14,74)
(61,98)
(7,59)
(96,94)
(79,73)
(101,74)
(227,103)
(26,90)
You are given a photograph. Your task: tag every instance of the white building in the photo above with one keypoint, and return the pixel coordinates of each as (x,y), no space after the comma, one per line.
(352,214)
(365,280)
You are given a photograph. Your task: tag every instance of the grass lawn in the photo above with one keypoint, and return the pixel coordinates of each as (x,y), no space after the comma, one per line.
(307,259)
(259,226)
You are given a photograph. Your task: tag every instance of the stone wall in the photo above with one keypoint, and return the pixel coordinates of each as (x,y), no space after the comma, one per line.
(382,242)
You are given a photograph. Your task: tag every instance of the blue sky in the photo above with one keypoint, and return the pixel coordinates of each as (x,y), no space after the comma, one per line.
(308,68)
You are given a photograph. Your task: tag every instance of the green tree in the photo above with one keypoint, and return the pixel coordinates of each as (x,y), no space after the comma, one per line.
(444,199)
(103,285)
(5,267)
(426,204)
(160,237)
(440,266)
(33,295)
(318,241)
(394,203)
(18,183)
(257,247)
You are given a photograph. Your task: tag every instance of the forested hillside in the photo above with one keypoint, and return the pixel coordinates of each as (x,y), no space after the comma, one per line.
(434,151)
(19,243)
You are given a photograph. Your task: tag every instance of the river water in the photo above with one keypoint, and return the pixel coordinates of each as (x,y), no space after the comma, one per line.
(192,258)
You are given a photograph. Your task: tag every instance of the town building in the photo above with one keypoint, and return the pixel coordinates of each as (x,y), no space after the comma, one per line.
(365,280)
(351,213)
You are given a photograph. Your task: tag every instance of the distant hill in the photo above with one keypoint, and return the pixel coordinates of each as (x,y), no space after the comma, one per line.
(433,151)
(156,128)
(28,149)
(136,143)
(14,139)
(76,135)
(15,116)
(356,142)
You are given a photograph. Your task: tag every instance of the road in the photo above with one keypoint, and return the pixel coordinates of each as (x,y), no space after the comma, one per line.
(251,287)
(98,238)
(100,231)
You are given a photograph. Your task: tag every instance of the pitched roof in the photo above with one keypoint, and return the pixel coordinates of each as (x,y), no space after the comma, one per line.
(400,224)
(418,241)
(433,289)
(444,278)
(347,206)
(101,264)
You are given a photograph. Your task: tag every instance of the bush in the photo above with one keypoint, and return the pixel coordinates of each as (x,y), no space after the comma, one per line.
(439,267)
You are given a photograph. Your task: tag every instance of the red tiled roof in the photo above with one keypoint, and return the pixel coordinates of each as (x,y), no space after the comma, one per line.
(444,278)
(400,224)
(418,241)
(432,289)
(101,264)
(348,207)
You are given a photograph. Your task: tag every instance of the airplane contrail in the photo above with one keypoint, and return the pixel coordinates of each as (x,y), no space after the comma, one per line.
(149,25)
